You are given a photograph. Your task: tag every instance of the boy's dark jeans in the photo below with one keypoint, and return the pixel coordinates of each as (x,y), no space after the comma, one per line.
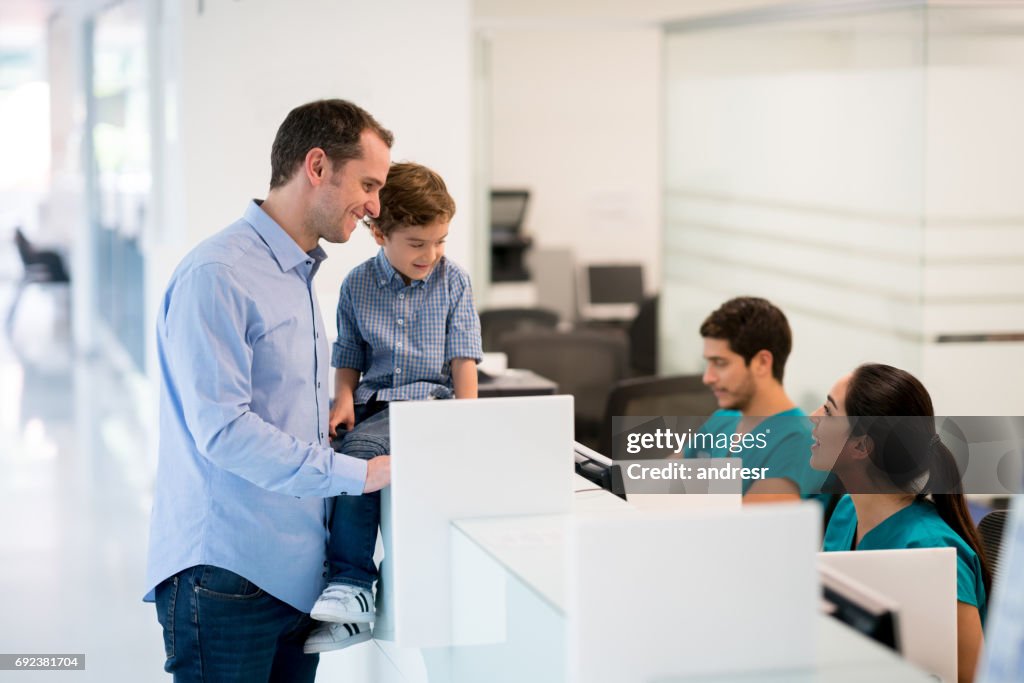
(355,520)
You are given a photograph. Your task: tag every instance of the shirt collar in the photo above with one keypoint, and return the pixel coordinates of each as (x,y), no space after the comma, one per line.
(386,272)
(285,250)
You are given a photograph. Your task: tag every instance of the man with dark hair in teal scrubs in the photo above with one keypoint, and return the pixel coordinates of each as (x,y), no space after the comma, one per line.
(746,343)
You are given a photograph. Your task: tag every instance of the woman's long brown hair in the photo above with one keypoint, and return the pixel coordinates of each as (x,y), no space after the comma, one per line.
(887,404)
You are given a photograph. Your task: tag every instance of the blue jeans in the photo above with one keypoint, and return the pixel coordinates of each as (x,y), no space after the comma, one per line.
(220,628)
(355,519)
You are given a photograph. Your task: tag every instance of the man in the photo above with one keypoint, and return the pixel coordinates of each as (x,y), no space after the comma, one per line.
(746,343)
(239,526)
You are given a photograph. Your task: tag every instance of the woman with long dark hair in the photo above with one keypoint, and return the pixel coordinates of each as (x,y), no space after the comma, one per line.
(875,433)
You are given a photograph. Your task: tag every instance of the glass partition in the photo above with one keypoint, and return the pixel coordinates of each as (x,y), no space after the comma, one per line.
(855,163)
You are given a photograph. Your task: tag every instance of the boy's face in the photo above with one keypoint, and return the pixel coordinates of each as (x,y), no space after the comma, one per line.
(414,251)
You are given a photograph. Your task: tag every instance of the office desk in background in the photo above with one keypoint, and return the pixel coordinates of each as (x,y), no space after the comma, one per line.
(515,382)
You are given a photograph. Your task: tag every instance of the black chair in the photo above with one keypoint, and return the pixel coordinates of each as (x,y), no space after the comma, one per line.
(497,322)
(643,338)
(584,363)
(681,395)
(990,528)
(42,267)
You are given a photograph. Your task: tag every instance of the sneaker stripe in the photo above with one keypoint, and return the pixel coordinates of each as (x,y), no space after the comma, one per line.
(356,627)
(362,602)
(348,627)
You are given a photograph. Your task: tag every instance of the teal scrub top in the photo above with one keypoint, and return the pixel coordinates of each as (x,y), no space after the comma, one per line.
(916,526)
(788,451)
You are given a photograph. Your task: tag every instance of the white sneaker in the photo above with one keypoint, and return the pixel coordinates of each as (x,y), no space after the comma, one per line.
(334,636)
(342,603)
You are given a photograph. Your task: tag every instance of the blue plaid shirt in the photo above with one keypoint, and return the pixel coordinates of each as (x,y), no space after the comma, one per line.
(403,338)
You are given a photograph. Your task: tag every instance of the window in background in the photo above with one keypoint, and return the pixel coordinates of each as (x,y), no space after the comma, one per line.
(24,131)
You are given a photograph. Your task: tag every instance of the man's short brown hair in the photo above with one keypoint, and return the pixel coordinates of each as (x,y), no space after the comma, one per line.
(334,126)
(750,325)
(412,196)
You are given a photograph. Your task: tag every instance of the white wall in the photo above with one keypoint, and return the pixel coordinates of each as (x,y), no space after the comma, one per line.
(576,118)
(234,71)
(974,247)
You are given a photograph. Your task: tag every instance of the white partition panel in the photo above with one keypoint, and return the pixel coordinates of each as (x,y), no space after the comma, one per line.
(922,581)
(655,597)
(458,460)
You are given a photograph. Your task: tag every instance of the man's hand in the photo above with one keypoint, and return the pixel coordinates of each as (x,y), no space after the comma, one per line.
(343,412)
(378,473)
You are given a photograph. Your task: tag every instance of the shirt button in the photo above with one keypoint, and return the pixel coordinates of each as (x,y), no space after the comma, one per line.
(398,345)
(325,563)
(318,385)
(399,321)
(324,575)
(398,371)
(321,435)
(401,296)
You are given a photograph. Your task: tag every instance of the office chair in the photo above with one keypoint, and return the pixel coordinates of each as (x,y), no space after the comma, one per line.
(990,528)
(643,338)
(41,266)
(681,395)
(584,363)
(497,322)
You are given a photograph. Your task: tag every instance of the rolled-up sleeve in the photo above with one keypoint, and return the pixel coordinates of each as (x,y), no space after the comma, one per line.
(462,335)
(208,356)
(350,350)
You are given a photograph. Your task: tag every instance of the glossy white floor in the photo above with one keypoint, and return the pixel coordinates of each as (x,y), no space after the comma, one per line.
(74,506)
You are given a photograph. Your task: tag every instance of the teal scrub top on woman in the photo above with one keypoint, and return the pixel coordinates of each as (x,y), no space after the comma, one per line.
(916,526)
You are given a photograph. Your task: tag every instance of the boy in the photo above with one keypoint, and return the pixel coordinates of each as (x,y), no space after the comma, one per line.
(407,324)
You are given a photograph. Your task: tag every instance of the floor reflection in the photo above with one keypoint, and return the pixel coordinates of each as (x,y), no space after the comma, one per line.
(74,497)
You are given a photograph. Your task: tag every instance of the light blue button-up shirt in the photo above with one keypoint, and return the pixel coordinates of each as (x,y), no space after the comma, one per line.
(402,337)
(245,462)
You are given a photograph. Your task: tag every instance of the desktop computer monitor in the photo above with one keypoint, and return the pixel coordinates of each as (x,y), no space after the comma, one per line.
(611,291)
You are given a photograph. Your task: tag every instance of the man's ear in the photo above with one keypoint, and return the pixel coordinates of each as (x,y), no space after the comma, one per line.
(316,166)
(761,363)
